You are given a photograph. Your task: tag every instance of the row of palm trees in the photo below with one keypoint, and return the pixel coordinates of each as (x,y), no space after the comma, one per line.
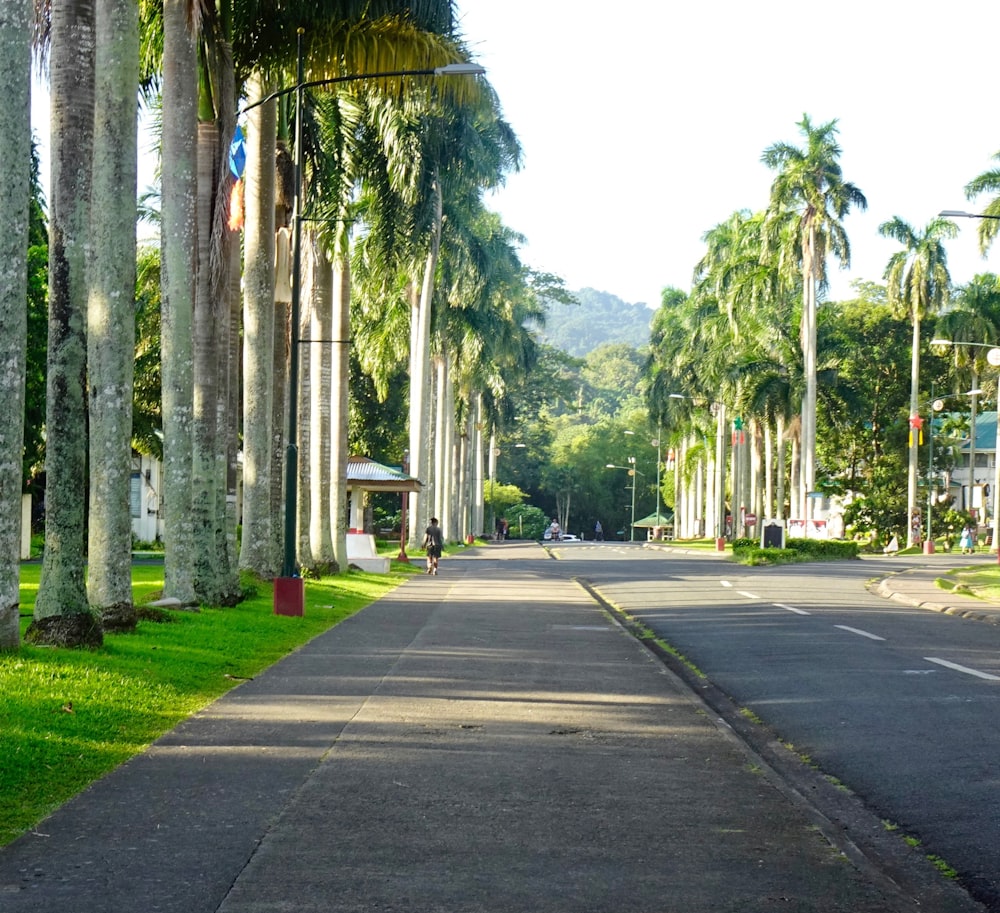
(394,177)
(731,345)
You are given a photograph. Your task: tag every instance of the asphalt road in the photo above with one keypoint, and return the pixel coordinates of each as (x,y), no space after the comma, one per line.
(899,704)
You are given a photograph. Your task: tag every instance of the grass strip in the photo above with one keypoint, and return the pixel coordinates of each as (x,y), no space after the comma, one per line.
(67,717)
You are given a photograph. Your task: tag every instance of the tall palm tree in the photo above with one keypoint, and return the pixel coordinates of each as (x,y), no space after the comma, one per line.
(987,182)
(177,237)
(62,612)
(15,183)
(111,314)
(810,183)
(918,285)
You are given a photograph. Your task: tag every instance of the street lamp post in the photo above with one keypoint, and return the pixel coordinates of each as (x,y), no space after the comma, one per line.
(633,472)
(993,357)
(289,593)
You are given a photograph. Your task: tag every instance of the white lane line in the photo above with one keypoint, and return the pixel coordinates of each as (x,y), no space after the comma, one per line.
(748,595)
(725,583)
(965,669)
(791,608)
(859,631)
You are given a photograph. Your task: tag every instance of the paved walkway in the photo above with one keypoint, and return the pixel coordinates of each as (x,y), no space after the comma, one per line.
(485,740)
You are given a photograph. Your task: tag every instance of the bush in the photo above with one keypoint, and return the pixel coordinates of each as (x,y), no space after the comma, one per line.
(527,518)
(747,551)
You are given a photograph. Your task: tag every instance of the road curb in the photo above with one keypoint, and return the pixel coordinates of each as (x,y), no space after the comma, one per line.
(885,588)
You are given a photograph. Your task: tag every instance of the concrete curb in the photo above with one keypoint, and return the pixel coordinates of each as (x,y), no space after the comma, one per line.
(888,588)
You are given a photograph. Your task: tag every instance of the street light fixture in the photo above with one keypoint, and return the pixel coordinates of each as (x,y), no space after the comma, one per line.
(993,357)
(289,592)
(958,214)
(633,472)
(936,405)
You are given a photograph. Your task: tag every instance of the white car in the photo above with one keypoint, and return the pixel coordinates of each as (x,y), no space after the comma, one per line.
(565,537)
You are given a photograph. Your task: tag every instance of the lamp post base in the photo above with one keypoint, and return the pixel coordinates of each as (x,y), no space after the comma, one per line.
(720,544)
(289,596)
(929,547)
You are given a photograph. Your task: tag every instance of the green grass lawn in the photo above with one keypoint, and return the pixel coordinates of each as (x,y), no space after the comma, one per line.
(69,716)
(979,582)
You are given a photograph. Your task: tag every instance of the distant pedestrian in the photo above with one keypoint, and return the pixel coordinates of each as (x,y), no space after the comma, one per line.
(968,540)
(556,530)
(433,543)
(598,531)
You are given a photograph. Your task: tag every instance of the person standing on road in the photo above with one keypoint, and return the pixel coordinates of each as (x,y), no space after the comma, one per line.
(433,543)
(598,531)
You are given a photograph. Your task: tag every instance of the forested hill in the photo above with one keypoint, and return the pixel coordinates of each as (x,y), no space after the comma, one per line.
(599,318)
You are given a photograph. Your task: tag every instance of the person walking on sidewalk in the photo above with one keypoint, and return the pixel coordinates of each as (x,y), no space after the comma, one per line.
(433,543)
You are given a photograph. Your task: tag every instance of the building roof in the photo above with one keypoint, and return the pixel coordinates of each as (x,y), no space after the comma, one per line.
(666,516)
(986,433)
(367,475)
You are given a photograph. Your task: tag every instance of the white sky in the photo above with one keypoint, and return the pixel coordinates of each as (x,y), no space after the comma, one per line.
(643,125)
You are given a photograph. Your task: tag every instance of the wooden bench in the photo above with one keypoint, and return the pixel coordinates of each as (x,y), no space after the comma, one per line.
(361,554)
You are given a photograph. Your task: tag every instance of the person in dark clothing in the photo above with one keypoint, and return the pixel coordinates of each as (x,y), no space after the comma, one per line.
(433,543)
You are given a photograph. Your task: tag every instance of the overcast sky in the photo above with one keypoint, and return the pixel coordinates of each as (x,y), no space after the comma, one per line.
(643,123)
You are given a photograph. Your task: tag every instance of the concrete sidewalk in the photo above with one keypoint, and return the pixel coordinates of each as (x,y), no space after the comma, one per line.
(917,586)
(485,740)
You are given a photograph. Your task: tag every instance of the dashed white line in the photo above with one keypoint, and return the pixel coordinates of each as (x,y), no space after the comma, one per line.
(965,669)
(725,583)
(791,608)
(748,595)
(859,631)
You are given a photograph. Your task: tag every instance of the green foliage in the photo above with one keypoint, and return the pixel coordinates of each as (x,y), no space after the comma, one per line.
(501,498)
(747,551)
(526,521)
(77,714)
(146,393)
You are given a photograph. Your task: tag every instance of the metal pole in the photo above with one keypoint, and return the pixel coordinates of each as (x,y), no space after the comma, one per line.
(292,451)
(659,431)
(631,537)
(930,470)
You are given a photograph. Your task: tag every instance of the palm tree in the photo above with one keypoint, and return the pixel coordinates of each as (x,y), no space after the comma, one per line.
(810,184)
(918,285)
(111,315)
(256,551)
(987,182)
(15,184)
(62,613)
(177,233)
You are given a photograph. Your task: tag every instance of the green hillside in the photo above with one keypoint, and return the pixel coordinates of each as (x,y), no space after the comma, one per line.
(597,319)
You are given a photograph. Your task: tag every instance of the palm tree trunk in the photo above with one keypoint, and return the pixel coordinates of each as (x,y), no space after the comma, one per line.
(339,418)
(256,551)
(279,402)
(15,191)
(420,381)
(478,509)
(779,483)
(62,613)
(913,528)
(178,239)
(807,478)
(318,285)
(111,315)
(211,351)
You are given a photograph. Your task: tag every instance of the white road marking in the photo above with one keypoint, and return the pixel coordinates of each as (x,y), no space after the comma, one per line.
(748,595)
(725,583)
(791,608)
(965,669)
(859,631)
